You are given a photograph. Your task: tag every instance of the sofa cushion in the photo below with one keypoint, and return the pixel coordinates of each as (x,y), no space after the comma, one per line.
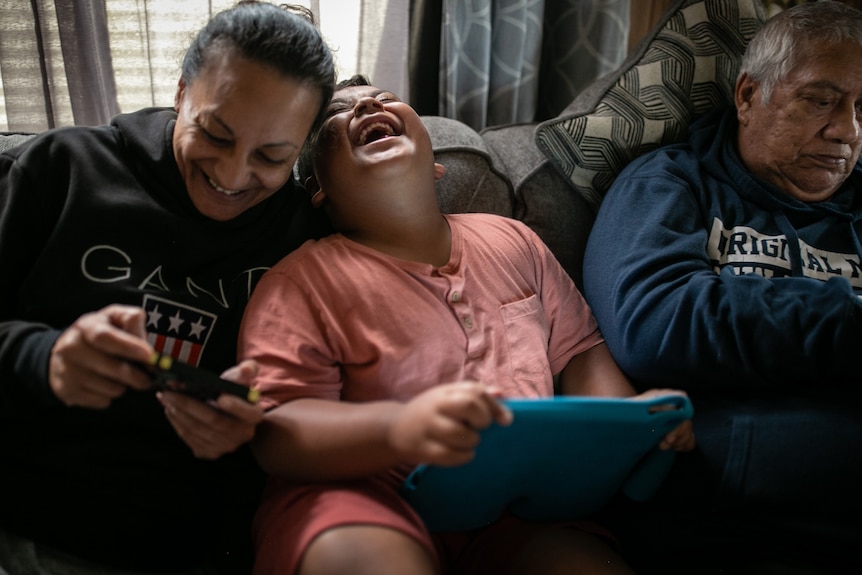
(684,67)
(543,199)
(471,183)
(9,140)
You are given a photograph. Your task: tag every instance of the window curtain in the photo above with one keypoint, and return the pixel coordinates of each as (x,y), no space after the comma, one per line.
(66,62)
(80,62)
(383,44)
(583,40)
(55,75)
(511,61)
(484,62)
(490,53)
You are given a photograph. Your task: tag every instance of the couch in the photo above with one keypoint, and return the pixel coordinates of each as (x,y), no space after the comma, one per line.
(553,174)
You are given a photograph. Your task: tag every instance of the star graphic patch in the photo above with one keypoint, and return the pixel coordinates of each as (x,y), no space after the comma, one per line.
(177,330)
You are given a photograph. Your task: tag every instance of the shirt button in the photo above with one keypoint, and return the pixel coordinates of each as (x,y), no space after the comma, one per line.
(456,296)
(468,322)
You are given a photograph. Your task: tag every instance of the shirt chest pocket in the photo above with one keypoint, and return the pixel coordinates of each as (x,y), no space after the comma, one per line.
(527,333)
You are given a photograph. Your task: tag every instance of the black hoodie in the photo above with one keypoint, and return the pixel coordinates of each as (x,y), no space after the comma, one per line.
(90,217)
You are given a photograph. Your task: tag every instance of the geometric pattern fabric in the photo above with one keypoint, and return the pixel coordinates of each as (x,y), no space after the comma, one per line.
(685,67)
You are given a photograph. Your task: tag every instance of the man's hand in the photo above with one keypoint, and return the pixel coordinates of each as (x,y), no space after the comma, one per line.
(213,429)
(441,426)
(92,362)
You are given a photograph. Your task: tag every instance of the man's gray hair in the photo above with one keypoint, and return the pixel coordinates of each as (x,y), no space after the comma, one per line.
(777,48)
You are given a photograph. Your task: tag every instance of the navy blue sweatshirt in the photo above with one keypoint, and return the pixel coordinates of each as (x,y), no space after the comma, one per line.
(701,276)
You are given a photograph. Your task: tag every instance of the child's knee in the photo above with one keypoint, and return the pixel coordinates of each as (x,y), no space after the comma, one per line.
(361,549)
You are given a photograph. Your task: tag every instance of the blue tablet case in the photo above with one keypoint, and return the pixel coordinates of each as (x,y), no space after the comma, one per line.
(561,458)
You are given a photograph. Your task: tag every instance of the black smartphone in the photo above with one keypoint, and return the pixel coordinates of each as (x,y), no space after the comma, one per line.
(173,375)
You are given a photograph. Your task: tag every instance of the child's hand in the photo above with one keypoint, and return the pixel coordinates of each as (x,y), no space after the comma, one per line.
(682,437)
(441,426)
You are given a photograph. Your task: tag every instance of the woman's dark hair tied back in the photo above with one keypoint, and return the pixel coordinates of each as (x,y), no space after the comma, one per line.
(282,37)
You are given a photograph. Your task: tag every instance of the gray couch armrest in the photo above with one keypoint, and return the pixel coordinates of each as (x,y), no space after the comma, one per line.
(472,183)
(9,140)
(544,200)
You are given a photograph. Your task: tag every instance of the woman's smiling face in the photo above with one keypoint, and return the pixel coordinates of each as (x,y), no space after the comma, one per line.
(240,126)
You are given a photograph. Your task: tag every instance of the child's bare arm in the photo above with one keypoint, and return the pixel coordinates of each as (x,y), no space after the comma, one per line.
(316,440)
(594,372)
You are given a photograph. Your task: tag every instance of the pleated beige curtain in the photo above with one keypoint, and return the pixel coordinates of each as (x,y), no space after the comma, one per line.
(383,44)
(54,75)
(66,62)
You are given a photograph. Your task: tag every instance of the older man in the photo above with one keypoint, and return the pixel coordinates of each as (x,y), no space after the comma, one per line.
(731,266)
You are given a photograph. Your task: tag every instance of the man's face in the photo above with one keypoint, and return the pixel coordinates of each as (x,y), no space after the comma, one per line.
(807,137)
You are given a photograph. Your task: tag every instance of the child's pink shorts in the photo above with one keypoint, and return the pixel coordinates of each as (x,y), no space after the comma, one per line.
(292,515)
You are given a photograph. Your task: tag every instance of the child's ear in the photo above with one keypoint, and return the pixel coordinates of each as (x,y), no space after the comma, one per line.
(439,171)
(313,187)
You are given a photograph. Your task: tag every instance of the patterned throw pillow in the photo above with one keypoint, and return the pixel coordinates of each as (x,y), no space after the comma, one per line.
(686,66)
